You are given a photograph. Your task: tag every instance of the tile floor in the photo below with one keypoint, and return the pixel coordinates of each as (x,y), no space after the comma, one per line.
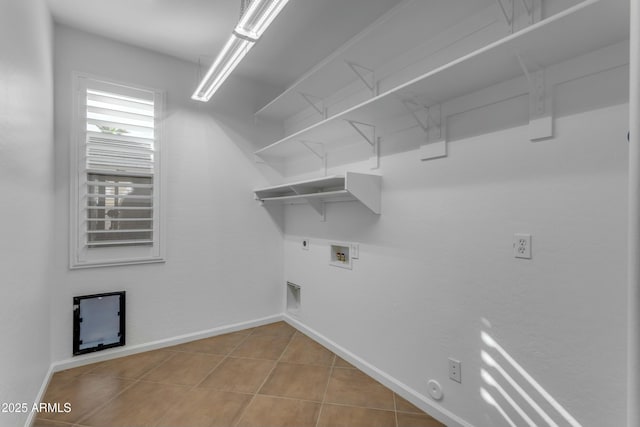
(267,376)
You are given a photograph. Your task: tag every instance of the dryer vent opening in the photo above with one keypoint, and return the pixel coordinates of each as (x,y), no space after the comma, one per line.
(98,322)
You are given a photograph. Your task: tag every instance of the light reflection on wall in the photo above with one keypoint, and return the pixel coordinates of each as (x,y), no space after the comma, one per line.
(501,386)
(487,397)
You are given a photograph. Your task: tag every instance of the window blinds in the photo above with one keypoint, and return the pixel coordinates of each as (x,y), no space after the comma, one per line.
(119,166)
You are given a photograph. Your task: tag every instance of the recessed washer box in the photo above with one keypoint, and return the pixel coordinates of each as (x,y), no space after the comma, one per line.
(340,255)
(293,298)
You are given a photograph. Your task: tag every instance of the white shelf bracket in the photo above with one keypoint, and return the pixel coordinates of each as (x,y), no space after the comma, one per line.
(540,103)
(506,8)
(374,160)
(316,103)
(368,133)
(430,121)
(432,124)
(366,75)
(423,122)
(318,150)
(258,159)
(520,17)
(318,206)
(528,8)
(533,10)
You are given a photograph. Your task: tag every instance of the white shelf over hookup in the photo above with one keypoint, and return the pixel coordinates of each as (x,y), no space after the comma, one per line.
(365,188)
(590,25)
(376,45)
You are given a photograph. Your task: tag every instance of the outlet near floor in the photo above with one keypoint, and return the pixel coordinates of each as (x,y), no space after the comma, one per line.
(455,370)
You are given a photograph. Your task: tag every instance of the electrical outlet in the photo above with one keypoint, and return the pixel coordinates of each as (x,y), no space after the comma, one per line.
(455,370)
(305,244)
(522,246)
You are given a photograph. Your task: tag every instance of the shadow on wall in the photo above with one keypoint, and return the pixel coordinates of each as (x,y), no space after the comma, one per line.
(516,396)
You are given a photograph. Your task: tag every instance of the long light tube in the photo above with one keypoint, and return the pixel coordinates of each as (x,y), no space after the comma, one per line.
(226,61)
(253,23)
(257,18)
(633,242)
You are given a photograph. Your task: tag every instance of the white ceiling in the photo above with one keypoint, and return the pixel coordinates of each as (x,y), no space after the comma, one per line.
(305,32)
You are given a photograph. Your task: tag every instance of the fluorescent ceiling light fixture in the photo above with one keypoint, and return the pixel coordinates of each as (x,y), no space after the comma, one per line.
(252,25)
(257,18)
(226,61)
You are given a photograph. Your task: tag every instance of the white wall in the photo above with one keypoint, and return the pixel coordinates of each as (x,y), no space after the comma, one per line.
(224,252)
(26,185)
(436,269)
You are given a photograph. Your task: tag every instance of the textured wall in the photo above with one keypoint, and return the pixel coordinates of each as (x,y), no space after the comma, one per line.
(26,185)
(224,252)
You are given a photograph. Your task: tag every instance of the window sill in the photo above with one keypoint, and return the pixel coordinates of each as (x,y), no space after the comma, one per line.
(114,263)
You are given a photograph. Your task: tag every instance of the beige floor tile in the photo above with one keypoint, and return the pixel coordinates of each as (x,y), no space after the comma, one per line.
(341,363)
(307,382)
(184,368)
(84,393)
(277,328)
(303,349)
(221,344)
(262,347)
(141,405)
(268,376)
(403,405)
(74,372)
(239,375)
(417,420)
(47,423)
(352,387)
(206,408)
(349,416)
(267,411)
(131,367)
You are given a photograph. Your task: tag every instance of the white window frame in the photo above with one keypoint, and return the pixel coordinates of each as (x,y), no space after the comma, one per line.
(82,256)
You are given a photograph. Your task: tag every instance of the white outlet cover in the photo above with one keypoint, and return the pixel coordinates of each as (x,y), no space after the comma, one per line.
(435,390)
(522,246)
(455,370)
(355,251)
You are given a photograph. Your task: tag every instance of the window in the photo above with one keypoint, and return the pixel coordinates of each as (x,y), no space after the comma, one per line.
(116,211)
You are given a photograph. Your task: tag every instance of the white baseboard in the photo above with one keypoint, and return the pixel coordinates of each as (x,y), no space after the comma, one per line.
(422,402)
(154,345)
(139,348)
(43,389)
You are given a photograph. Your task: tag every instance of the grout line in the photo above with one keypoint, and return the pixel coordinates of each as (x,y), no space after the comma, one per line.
(225,357)
(347,405)
(274,360)
(395,408)
(140,379)
(186,386)
(134,382)
(277,397)
(348,367)
(326,388)
(265,380)
(157,366)
(99,407)
(253,396)
(64,423)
